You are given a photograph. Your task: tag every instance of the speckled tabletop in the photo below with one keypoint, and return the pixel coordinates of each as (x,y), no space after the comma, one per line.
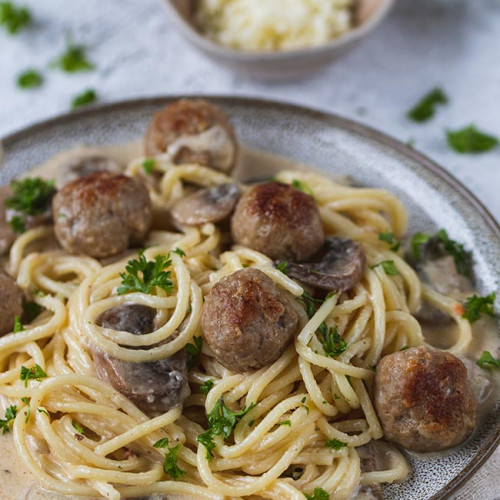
(451,43)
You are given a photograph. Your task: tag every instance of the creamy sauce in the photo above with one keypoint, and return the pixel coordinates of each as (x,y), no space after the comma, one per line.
(17,483)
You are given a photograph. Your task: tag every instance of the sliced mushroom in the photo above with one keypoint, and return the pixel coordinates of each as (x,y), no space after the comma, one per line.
(338,266)
(11,303)
(211,204)
(82,166)
(153,386)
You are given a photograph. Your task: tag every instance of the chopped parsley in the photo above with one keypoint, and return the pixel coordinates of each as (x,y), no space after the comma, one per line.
(161,443)
(149,165)
(417,240)
(207,385)
(310,302)
(476,305)
(18,326)
(335,444)
(84,99)
(179,252)
(13,18)
(78,427)
(333,344)
(10,414)
(30,311)
(142,275)
(29,79)
(26,401)
(389,267)
(461,256)
(319,494)
(282,266)
(286,422)
(389,238)
(193,351)
(74,59)
(34,373)
(221,422)
(30,196)
(170,464)
(44,411)
(487,361)
(426,107)
(303,186)
(18,224)
(471,140)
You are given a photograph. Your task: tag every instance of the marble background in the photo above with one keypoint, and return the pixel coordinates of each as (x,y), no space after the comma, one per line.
(423,43)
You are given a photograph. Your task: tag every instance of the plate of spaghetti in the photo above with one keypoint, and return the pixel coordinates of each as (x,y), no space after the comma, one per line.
(229,298)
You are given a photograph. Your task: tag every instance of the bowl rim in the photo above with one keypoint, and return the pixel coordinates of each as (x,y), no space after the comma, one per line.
(214,48)
(333,119)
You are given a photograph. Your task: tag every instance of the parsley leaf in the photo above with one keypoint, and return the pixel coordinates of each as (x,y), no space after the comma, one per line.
(161,443)
(142,275)
(333,344)
(34,373)
(30,311)
(10,414)
(417,240)
(310,303)
(29,79)
(14,18)
(389,267)
(149,165)
(193,351)
(78,427)
(221,422)
(282,266)
(286,422)
(303,186)
(426,107)
(170,464)
(471,140)
(18,326)
(389,238)
(335,444)
(476,305)
(461,256)
(180,252)
(30,196)
(18,224)
(487,361)
(207,385)
(319,494)
(84,99)
(74,58)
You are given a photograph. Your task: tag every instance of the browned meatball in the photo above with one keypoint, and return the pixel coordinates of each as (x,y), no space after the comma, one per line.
(11,303)
(424,400)
(279,221)
(102,214)
(189,118)
(247,321)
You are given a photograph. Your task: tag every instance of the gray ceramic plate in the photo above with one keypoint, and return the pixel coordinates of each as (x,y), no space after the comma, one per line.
(434,199)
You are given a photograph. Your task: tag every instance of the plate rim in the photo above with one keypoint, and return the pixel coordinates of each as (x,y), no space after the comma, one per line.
(314,112)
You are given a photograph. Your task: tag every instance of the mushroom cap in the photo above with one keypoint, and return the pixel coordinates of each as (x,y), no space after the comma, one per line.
(211,204)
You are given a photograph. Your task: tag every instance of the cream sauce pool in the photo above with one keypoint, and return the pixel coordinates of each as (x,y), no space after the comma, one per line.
(17,483)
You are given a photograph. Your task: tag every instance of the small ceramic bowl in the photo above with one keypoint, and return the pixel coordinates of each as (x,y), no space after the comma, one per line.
(279,64)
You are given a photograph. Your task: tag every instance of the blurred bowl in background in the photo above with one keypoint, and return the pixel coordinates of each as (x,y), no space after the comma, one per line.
(279,65)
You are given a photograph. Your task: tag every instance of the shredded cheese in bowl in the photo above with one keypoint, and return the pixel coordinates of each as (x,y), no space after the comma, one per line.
(273,24)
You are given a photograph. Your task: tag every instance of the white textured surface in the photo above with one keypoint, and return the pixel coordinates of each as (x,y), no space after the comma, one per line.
(452,43)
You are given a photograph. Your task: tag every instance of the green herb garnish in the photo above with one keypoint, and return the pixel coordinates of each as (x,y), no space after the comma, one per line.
(389,238)
(333,344)
(303,186)
(417,240)
(142,275)
(74,58)
(282,266)
(319,494)
(149,165)
(34,373)
(207,386)
(476,305)
(18,326)
(161,443)
(18,224)
(179,252)
(10,414)
(29,79)
(44,411)
(30,196)
(461,256)
(78,427)
(471,140)
(14,18)
(487,361)
(389,267)
(193,352)
(426,107)
(170,464)
(286,422)
(84,99)
(335,444)
(221,422)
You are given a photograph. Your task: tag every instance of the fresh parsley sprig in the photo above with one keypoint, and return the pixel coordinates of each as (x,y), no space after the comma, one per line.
(149,165)
(389,238)
(303,186)
(74,59)
(417,240)
(30,196)
(319,494)
(471,140)
(476,305)
(29,79)
(193,352)
(34,373)
(333,344)
(388,266)
(221,422)
(10,414)
(84,99)
(18,326)
(207,386)
(426,107)
(14,18)
(335,444)
(143,276)
(487,361)
(170,464)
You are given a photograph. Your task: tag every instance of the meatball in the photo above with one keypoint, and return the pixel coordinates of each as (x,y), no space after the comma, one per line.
(102,214)
(247,321)
(11,303)
(153,386)
(279,221)
(424,400)
(193,131)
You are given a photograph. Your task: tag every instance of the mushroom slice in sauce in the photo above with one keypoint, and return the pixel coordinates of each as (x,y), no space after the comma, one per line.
(211,204)
(153,386)
(337,266)
(82,166)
